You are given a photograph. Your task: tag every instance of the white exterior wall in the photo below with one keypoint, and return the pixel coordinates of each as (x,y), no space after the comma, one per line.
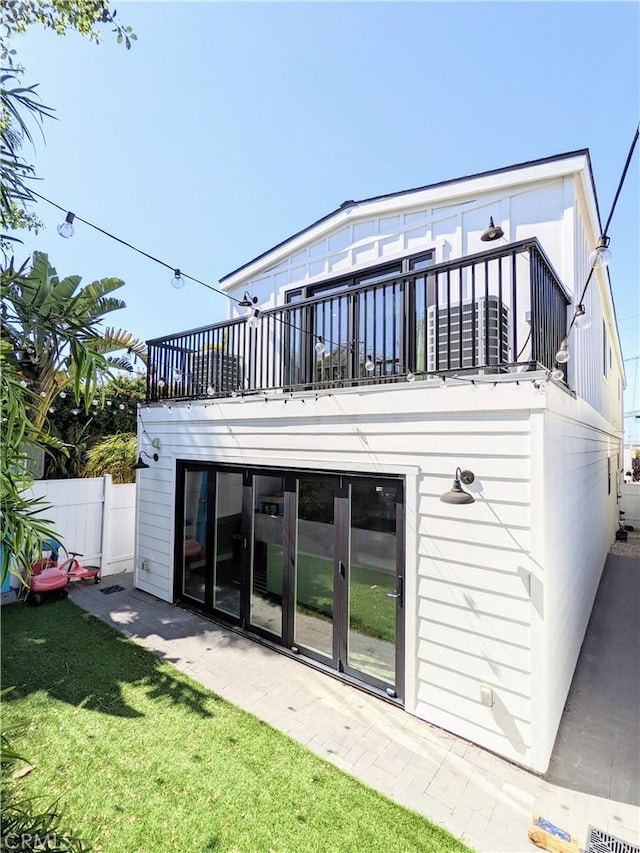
(357,241)
(469,619)
(577,519)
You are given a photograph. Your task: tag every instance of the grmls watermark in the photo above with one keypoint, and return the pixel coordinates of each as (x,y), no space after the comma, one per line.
(34,841)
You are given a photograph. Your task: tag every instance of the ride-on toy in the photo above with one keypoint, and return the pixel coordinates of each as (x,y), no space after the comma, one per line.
(46,577)
(76,571)
(50,575)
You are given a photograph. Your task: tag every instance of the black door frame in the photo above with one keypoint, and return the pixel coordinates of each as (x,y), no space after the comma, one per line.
(337,662)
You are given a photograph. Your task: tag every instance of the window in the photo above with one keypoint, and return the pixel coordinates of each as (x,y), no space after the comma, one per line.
(371,275)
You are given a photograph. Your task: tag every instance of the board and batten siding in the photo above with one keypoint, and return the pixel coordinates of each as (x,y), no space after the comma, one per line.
(358,241)
(468,613)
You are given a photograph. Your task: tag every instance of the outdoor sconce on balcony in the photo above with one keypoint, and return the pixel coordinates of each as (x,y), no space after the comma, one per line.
(456,494)
(493,232)
(140,465)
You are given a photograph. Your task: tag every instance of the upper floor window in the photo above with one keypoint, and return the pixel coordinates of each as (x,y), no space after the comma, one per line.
(411,263)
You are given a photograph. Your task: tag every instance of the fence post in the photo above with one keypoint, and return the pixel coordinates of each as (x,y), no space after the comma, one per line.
(106,522)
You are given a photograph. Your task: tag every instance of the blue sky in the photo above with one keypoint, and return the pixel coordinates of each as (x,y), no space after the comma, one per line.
(230,126)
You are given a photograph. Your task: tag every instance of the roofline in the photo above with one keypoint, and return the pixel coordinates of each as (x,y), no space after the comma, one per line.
(584,152)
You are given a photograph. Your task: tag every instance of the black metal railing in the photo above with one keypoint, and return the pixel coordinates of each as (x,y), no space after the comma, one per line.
(487,312)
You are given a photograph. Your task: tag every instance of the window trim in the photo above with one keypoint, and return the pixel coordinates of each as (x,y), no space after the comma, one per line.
(398,267)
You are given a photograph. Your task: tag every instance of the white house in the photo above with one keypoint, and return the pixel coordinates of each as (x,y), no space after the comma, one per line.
(303,447)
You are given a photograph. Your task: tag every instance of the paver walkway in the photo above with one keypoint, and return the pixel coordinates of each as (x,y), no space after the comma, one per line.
(475,795)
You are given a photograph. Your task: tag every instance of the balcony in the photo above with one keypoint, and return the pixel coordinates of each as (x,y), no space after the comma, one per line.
(492,312)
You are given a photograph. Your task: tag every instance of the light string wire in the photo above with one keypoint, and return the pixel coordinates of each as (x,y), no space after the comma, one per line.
(183,274)
(609,218)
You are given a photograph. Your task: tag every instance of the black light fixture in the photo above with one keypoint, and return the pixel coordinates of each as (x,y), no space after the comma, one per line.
(456,494)
(493,232)
(247,301)
(140,465)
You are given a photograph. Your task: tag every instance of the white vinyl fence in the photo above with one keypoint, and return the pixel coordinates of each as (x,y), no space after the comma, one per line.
(92,517)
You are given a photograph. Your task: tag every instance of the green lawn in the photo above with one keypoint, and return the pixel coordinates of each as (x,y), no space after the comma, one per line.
(145,759)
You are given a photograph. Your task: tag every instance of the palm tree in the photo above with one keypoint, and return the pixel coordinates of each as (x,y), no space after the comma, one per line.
(115,455)
(54,329)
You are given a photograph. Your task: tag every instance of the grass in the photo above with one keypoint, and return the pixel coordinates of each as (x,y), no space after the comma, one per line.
(145,759)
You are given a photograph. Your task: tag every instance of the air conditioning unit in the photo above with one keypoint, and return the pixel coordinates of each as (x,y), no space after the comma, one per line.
(484,331)
(213,369)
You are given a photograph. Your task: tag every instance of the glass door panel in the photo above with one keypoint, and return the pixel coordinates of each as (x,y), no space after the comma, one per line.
(267,554)
(194,546)
(372,594)
(314,561)
(226,579)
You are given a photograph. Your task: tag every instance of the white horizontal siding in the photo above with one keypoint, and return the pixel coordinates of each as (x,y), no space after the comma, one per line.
(467,582)
(579,518)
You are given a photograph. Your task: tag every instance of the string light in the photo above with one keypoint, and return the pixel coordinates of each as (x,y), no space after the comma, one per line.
(320,345)
(177,281)
(65,229)
(369,364)
(562,356)
(581,320)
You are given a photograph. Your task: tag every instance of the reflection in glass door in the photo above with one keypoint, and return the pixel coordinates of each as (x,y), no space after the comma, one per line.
(227,570)
(314,561)
(194,525)
(266,572)
(374,583)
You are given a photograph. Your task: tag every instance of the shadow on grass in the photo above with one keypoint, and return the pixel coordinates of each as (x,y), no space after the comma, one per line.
(73,657)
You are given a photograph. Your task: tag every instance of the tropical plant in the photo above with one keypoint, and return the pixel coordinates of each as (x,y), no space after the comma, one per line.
(54,330)
(113,410)
(23,527)
(115,455)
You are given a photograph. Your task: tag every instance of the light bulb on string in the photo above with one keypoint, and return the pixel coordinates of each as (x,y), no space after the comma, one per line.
(253,320)
(65,229)
(562,356)
(320,345)
(411,377)
(177,281)
(581,320)
(211,390)
(23,383)
(63,395)
(557,374)
(601,255)
(369,364)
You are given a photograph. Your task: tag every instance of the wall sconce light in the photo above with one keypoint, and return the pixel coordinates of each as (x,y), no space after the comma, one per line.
(493,232)
(140,465)
(247,301)
(456,494)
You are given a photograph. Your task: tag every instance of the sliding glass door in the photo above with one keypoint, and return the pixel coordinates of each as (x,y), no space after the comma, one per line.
(311,561)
